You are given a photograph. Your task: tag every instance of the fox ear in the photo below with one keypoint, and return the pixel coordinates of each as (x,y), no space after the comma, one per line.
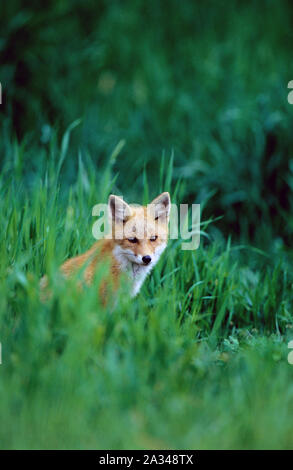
(119,210)
(161,206)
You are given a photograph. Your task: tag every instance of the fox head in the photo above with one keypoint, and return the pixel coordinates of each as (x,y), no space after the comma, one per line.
(140,232)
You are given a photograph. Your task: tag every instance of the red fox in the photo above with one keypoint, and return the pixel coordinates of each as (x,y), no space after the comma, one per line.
(139,237)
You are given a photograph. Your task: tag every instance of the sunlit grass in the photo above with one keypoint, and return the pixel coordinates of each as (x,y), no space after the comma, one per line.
(197,360)
(193,102)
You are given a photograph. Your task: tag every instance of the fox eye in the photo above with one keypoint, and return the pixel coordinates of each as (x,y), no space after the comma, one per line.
(153,239)
(132,240)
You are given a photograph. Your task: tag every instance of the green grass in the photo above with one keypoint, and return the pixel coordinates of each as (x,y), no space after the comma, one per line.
(197,360)
(193,102)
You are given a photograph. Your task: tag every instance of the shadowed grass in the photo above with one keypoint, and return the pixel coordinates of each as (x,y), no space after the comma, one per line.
(181,366)
(193,102)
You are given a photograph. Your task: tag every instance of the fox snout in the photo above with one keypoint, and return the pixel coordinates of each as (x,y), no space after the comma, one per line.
(146,259)
(143,260)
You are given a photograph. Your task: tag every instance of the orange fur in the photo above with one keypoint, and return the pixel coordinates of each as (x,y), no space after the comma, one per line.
(128,222)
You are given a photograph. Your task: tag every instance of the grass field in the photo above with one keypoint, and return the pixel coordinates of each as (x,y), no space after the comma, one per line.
(200,358)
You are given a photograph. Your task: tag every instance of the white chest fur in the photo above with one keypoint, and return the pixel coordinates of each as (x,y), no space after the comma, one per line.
(139,273)
(135,271)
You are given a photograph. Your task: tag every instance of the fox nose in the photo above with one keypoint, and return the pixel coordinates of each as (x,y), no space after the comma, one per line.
(146,259)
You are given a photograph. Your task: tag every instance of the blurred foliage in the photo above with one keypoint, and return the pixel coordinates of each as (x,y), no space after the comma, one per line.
(138,97)
(197,360)
(207,79)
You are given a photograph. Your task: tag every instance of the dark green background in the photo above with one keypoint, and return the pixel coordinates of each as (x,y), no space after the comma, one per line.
(191,98)
(207,80)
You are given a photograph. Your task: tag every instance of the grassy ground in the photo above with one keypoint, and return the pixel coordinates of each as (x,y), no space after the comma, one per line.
(198,360)
(195,103)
